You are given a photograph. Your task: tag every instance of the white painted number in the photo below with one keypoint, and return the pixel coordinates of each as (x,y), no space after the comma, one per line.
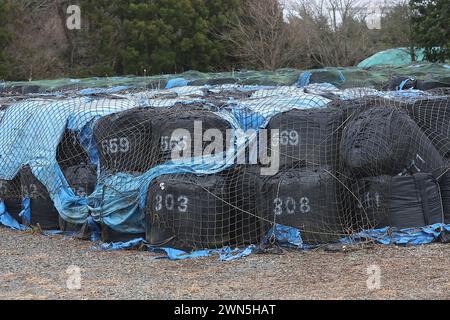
(169,144)
(168,202)
(370,202)
(289,206)
(116,145)
(289,137)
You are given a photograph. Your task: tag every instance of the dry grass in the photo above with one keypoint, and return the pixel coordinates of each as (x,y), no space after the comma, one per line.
(34,267)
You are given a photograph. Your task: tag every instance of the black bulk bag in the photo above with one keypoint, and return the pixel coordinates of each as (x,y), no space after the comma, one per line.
(82,179)
(189,211)
(248,226)
(124,141)
(369,202)
(70,152)
(430,85)
(306,199)
(440,91)
(176,118)
(136,140)
(10,193)
(308,137)
(386,141)
(432,115)
(444,183)
(42,209)
(410,201)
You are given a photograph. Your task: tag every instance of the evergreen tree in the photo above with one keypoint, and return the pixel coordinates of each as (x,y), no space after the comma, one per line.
(431,28)
(159,36)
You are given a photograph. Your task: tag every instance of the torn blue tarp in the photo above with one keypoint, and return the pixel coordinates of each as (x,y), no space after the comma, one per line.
(24,121)
(225,254)
(305,77)
(284,236)
(256,113)
(25,214)
(178,82)
(93,91)
(7,220)
(414,236)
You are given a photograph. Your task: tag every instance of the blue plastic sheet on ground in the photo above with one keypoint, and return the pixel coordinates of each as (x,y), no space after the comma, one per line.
(412,236)
(285,236)
(225,254)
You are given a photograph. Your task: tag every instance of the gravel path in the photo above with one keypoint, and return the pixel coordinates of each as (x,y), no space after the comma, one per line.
(34,267)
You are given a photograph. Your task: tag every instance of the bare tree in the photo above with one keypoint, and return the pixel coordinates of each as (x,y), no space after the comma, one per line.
(39,41)
(335,31)
(262,38)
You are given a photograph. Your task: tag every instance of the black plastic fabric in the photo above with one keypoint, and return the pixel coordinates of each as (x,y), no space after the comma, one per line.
(444,183)
(369,199)
(189,211)
(178,118)
(430,85)
(70,152)
(410,83)
(43,212)
(82,179)
(386,141)
(248,226)
(440,91)
(410,201)
(306,199)
(110,235)
(124,141)
(10,193)
(432,115)
(136,140)
(308,137)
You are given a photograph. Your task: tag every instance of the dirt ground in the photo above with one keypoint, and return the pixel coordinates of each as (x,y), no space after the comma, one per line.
(35,267)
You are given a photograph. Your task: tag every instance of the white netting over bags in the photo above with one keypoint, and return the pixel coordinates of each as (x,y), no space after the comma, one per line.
(223,165)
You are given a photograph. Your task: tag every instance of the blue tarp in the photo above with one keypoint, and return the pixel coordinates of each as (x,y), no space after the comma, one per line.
(8,221)
(288,237)
(178,82)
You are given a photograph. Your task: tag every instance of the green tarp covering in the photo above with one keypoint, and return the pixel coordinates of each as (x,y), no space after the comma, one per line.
(397,56)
